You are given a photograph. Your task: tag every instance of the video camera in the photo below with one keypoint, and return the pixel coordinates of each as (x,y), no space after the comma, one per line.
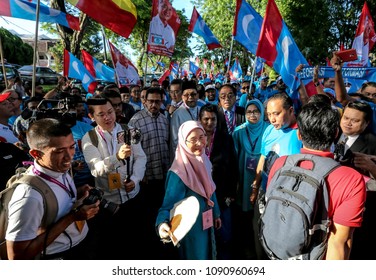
(59,109)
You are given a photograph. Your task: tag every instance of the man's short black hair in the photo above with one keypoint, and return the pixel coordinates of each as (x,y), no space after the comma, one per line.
(156,90)
(208,108)
(362,106)
(230,86)
(318,125)
(287,102)
(41,131)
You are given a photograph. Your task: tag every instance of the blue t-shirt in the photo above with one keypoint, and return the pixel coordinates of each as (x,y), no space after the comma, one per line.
(282,141)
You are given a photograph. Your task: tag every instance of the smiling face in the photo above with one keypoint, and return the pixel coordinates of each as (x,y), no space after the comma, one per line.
(164,10)
(104,116)
(227,98)
(58,155)
(252,114)
(196,141)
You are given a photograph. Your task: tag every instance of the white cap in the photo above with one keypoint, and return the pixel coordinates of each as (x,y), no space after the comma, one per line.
(209,87)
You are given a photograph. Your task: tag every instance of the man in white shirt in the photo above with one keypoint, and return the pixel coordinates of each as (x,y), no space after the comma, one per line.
(52,146)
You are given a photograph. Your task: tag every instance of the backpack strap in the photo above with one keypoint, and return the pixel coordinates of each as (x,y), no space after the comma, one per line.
(49,198)
(322,166)
(94,137)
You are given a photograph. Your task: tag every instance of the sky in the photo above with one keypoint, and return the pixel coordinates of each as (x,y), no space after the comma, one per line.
(28,27)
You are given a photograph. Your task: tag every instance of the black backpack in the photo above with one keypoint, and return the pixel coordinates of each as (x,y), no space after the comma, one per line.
(49,200)
(295,222)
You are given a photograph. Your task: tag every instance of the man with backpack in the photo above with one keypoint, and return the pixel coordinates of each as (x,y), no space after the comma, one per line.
(28,235)
(313,204)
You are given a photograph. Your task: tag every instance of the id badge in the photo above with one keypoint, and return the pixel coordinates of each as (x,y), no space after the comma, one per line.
(114,181)
(251,163)
(207,219)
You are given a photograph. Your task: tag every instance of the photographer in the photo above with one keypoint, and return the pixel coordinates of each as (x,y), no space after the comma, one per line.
(115,229)
(52,147)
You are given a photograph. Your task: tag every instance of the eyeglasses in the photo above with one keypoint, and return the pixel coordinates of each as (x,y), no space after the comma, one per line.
(245,88)
(175,91)
(157,102)
(255,112)
(193,95)
(228,96)
(194,141)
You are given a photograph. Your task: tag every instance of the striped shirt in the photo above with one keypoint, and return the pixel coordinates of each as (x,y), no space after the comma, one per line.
(154,142)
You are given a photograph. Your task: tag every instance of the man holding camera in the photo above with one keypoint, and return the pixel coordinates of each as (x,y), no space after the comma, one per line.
(52,147)
(118,167)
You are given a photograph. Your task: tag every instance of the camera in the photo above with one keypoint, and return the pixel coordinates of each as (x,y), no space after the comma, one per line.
(96,194)
(60,109)
(132,135)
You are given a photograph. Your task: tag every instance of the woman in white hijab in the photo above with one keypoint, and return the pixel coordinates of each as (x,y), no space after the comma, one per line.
(190,175)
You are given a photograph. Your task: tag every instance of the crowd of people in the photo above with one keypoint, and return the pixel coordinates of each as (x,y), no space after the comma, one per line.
(119,161)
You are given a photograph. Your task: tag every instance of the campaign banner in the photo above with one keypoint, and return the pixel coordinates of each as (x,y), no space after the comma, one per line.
(354,76)
(164,27)
(126,72)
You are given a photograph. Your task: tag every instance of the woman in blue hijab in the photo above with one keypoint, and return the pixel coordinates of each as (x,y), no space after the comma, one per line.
(247,140)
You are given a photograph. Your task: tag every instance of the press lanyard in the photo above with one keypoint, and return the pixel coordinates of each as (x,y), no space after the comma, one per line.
(253,145)
(209,149)
(113,145)
(69,190)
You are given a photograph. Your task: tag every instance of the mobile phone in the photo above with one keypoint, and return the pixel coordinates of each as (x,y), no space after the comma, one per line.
(347,55)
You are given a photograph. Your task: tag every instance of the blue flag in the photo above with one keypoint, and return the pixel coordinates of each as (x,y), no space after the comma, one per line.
(247,26)
(199,27)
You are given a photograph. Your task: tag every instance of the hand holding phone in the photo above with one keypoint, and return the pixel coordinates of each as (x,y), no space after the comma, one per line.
(347,55)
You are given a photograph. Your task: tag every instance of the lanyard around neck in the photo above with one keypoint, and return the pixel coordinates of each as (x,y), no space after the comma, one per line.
(69,190)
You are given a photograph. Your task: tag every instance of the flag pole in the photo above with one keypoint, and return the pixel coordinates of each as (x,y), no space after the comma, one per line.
(114,66)
(35,49)
(253,74)
(229,59)
(104,46)
(146,67)
(2,64)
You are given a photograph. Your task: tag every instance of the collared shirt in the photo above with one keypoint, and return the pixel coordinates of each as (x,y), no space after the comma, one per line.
(154,142)
(26,209)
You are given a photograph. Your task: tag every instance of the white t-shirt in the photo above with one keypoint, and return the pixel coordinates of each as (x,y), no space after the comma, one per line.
(26,211)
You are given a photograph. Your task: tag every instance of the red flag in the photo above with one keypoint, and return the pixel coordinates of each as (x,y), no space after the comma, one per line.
(126,72)
(164,76)
(164,27)
(120,16)
(365,36)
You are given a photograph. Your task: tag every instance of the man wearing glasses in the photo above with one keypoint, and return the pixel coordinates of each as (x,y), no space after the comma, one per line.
(186,112)
(154,141)
(229,114)
(175,95)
